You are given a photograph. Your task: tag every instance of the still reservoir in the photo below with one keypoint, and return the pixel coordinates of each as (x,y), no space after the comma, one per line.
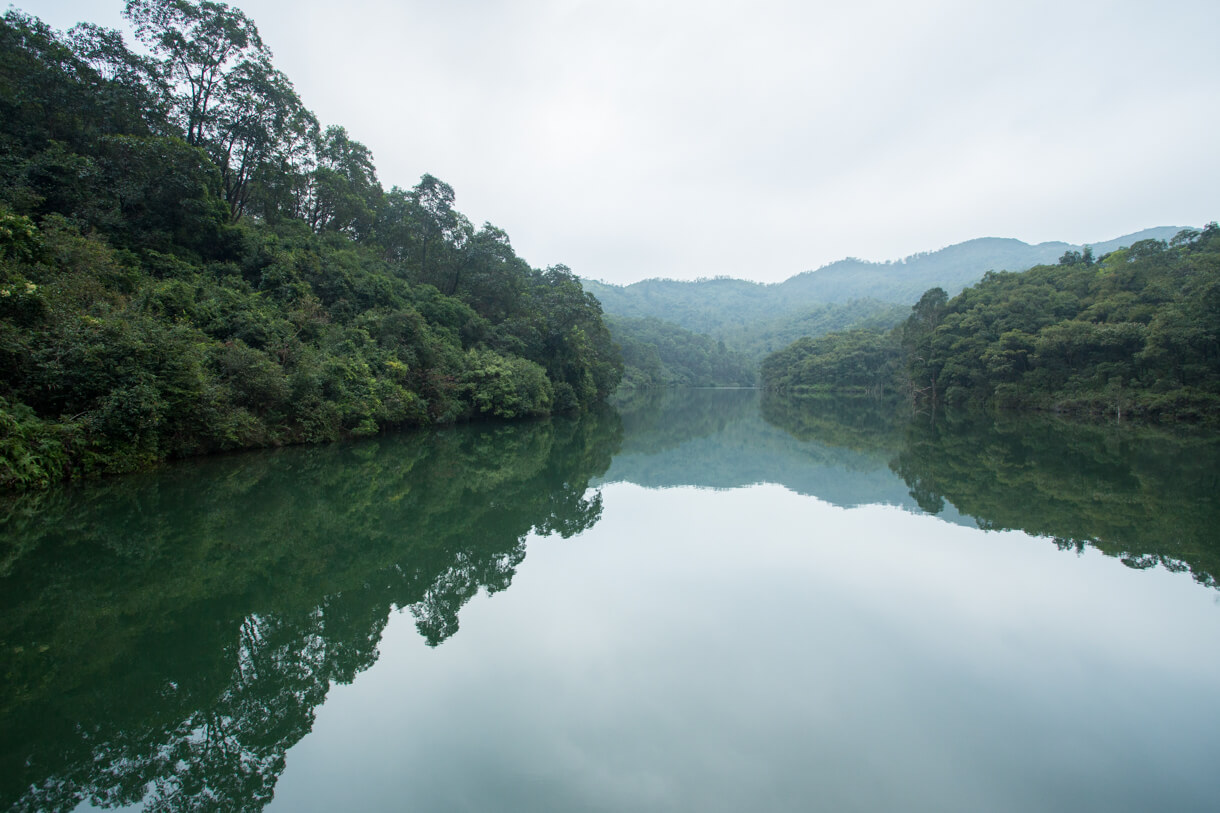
(698,600)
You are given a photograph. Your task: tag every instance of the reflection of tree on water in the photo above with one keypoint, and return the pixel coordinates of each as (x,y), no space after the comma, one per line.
(664,418)
(172,635)
(862,424)
(1148,496)
(719,439)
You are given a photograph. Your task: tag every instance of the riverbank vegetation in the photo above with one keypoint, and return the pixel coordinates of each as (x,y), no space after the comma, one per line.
(190,263)
(1134,333)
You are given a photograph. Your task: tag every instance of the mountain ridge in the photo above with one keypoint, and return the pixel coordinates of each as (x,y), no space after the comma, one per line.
(757,317)
(1043,248)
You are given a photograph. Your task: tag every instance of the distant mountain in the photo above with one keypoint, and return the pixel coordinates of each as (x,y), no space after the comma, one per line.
(755,317)
(952,268)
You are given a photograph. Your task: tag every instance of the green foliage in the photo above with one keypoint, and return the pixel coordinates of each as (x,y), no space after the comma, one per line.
(19,239)
(572,343)
(1135,333)
(32,452)
(860,361)
(506,387)
(144,314)
(660,354)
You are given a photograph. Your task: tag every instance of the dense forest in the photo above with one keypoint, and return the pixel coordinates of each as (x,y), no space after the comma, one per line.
(190,262)
(661,354)
(1134,333)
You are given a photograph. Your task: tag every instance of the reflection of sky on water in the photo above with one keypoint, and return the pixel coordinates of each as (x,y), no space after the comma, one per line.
(744,450)
(748,619)
(757,648)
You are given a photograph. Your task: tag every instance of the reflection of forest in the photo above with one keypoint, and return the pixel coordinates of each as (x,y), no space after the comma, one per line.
(718,439)
(1145,495)
(866,425)
(173,634)
(664,418)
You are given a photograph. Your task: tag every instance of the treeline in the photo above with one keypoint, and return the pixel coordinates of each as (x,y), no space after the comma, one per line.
(660,354)
(864,362)
(756,318)
(1136,332)
(190,262)
(760,338)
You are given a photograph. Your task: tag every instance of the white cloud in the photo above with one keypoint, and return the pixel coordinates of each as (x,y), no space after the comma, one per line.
(761,139)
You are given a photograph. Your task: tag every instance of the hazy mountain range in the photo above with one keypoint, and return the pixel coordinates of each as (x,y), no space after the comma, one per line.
(757,318)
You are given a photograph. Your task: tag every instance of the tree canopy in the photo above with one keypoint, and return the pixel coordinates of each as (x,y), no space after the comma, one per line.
(660,354)
(1134,332)
(190,263)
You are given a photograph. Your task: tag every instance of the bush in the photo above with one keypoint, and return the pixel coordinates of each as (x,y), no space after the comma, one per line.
(506,387)
(32,452)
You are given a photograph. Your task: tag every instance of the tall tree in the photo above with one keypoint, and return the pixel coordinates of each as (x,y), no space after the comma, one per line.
(491,274)
(438,228)
(199,43)
(926,316)
(223,91)
(342,193)
(129,77)
(261,126)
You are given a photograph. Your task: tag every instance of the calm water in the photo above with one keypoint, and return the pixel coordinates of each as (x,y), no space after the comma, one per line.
(700,601)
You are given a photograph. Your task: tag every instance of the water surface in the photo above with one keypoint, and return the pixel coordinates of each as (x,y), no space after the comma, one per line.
(700,601)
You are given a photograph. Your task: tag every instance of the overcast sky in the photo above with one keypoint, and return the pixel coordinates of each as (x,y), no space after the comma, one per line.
(760,139)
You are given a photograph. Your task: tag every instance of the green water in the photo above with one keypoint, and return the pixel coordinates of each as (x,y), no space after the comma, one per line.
(698,601)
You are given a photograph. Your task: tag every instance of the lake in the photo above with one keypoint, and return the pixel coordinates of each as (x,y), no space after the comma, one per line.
(697,600)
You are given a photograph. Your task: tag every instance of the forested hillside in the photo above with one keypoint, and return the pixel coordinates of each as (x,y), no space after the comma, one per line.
(857,362)
(757,318)
(1136,332)
(660,354)
(758,339)
(190,262)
